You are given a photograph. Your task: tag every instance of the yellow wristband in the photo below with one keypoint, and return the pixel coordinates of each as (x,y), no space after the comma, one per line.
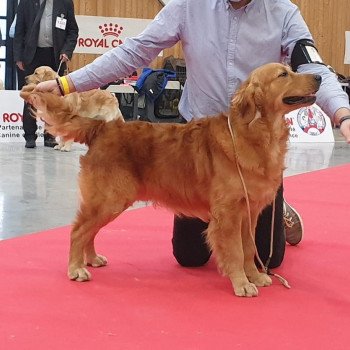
(65,85)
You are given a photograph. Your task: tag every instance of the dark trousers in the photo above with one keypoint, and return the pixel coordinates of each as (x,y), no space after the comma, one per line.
(20,78)
(43,57)
(190,248)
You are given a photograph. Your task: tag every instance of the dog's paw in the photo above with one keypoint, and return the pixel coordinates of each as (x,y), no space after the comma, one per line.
(261,280)
(246,290)
(65,149)
(96,261)
(80,274)
(57,148)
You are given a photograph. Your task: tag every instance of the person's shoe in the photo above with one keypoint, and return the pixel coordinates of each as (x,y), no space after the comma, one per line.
(293,224)
(30,144)
(50,143)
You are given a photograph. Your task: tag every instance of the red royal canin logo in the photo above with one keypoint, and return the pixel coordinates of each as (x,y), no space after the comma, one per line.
(111,29)
(110,33)
(12,117)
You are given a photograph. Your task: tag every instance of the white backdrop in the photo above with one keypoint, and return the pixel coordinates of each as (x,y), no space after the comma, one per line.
(11,114)
(309,124)
(100,34)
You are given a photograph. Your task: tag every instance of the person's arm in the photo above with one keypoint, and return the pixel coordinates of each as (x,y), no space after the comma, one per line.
(342,119)
(20,31)
(331,97)
(163,32)
(72,32)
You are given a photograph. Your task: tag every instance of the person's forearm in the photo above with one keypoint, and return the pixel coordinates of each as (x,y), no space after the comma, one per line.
(70,85)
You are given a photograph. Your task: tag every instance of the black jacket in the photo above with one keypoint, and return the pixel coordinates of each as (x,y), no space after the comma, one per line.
(26,34)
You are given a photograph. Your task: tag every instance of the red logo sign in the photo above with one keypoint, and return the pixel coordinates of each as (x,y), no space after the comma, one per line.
(110,33)
(12,117)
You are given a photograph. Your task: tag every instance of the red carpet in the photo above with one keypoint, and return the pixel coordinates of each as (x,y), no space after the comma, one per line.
(144,300)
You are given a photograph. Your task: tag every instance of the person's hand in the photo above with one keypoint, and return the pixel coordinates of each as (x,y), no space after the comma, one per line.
(20,65)
(48,86)
(64,57)
(345,130)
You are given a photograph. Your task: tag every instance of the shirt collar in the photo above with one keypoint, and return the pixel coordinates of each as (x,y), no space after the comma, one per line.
(245,8)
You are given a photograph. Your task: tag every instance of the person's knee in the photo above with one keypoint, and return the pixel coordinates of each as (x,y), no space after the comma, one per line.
(189,243)
(190,256)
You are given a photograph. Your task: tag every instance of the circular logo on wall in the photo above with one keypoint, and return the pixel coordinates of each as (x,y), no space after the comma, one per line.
(311,120)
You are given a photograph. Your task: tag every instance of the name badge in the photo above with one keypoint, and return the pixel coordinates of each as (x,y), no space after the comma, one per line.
(61,23)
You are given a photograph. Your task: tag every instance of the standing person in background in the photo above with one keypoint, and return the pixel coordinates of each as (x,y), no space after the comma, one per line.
(46,34)
(223,41)
(20,73)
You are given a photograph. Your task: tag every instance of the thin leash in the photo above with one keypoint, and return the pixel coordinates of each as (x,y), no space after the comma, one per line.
(265,268)
(59,67)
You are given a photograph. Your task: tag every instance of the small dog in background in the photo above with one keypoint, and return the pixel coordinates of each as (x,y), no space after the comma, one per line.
(95,104)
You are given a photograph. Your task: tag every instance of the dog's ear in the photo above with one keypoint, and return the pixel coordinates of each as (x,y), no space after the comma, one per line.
(48,75)
(248,100)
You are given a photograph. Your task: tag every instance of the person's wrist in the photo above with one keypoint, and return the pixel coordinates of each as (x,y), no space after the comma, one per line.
(59,86)
(343,119)
(63,82)
(70,84)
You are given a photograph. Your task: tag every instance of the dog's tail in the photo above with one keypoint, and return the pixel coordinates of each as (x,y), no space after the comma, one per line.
(60,120)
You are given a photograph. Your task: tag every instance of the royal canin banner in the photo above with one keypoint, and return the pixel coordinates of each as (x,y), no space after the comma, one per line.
(100,34)
(11,118)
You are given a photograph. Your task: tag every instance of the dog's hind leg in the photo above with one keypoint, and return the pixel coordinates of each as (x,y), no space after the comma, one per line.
(248,239)
(92,216)
(224,237)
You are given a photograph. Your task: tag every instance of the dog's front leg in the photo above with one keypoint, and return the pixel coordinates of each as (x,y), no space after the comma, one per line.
(82,251)
(248,239)
(224,237)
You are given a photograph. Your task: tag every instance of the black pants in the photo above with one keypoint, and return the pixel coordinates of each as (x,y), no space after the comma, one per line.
(43,57)
(190,248)
(20,78)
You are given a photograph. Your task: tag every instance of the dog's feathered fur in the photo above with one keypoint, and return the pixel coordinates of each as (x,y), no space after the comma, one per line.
(191,168)
(96,104)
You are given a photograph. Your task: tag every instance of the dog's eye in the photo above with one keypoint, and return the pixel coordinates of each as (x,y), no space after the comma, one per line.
(284,74)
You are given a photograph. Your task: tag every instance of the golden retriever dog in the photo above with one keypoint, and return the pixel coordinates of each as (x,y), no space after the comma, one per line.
(193,169)
(96,104)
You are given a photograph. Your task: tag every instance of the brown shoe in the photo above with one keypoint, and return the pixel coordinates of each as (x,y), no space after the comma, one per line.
(293,224)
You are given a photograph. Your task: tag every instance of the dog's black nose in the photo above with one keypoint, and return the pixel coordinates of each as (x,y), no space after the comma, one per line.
(318,78)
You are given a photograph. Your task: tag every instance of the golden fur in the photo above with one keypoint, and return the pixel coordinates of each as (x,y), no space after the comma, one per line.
(189,168)
(96,104)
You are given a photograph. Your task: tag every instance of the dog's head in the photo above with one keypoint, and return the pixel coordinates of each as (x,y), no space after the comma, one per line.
(41,74)
(274,89)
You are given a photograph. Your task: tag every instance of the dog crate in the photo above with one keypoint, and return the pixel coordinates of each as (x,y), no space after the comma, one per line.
(177,65)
